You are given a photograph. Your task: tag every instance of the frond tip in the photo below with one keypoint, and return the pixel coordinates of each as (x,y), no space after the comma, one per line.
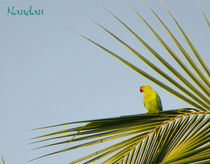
(2,159)
(166,137)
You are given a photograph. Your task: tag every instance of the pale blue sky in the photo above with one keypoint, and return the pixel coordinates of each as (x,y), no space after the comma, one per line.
(51,76)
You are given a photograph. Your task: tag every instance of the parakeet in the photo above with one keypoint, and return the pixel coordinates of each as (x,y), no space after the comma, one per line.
(151,99)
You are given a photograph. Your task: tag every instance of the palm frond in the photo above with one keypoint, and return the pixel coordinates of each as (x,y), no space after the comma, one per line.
(198,99)
(191,62)
(154,137)
(198,104)
(202,62)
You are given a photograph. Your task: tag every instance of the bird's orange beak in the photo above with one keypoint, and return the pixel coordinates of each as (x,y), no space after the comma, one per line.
(140,90)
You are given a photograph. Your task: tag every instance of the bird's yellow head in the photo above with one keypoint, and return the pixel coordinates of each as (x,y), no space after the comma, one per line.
(144,88)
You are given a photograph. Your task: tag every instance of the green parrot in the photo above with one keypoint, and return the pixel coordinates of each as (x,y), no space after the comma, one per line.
(151,99)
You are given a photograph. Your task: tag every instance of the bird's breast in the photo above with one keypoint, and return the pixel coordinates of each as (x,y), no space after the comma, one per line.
(149,95)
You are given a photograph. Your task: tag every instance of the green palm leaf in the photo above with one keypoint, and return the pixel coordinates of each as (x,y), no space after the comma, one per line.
(2,159)
(176,136)
(205,17)
(166,134)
